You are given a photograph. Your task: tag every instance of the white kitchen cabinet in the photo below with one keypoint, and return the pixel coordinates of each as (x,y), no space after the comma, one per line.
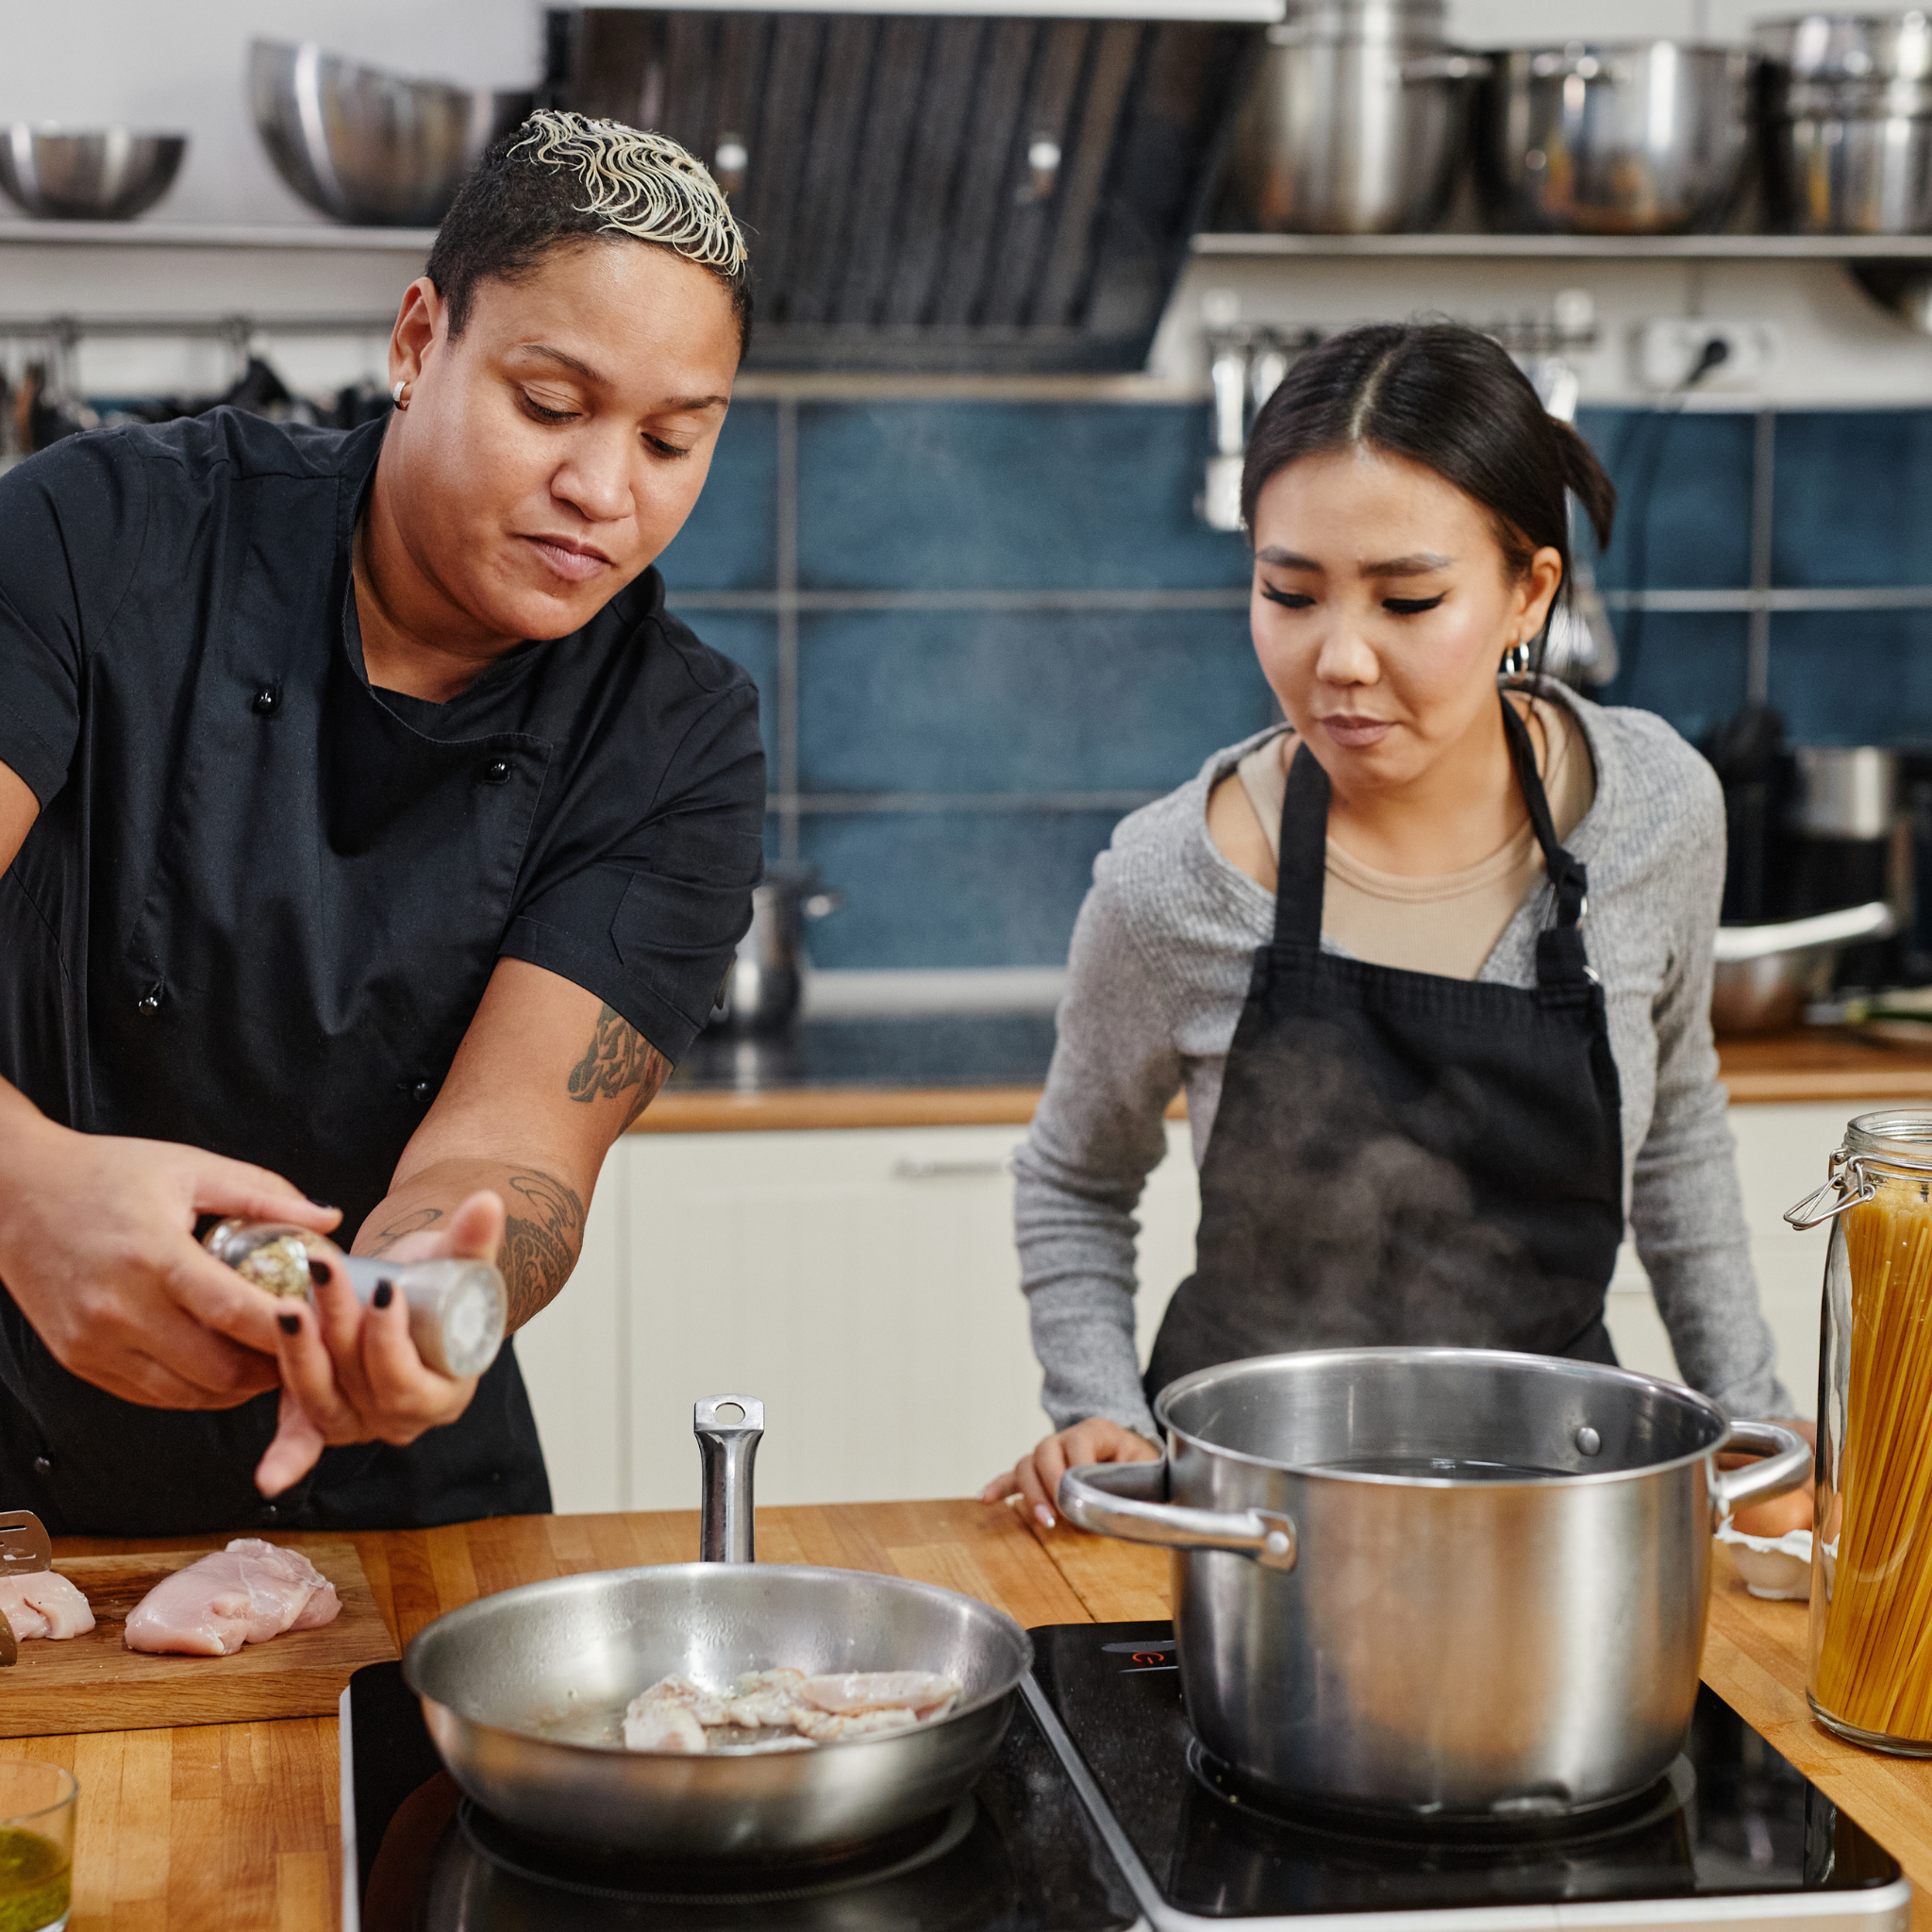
(862,1282)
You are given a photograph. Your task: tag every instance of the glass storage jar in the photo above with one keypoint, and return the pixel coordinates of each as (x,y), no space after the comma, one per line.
(1871,1673)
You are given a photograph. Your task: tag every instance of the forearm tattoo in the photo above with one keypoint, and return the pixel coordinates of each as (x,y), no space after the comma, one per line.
(618,1062)
(540,1246)
(413,1221)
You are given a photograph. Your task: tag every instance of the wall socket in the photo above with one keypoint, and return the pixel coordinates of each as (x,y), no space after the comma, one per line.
(1668,351)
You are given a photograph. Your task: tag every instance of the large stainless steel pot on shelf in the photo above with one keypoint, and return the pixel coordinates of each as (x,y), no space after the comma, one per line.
(524,1693)
(1356,123)
(1847,123)
(1450,1583)
(1615,137)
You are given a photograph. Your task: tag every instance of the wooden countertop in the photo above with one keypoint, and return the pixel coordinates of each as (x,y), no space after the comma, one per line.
(1813,1064)
(232,1826)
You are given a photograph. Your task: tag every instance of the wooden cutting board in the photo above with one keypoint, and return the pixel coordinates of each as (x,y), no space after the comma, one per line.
(95,1682)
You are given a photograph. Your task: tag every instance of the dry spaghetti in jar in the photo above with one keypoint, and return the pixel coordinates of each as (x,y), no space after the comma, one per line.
(1871,1675)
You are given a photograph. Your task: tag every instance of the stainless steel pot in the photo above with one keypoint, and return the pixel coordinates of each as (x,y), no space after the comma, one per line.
(765,985)
(524,1693)
(1847,123)
(1451,1582)
(1622,138)
(1356,123)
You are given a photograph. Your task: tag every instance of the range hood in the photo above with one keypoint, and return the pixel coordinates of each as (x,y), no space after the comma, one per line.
(934,192)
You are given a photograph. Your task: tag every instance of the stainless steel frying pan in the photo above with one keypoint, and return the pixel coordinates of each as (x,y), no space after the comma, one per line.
(524,1693)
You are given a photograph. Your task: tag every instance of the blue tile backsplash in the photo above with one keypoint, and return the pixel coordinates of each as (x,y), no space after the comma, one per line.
(1006,628)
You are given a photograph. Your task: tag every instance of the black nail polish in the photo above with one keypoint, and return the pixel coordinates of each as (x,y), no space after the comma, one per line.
(384,1293)
(318,1272)
(291,1325)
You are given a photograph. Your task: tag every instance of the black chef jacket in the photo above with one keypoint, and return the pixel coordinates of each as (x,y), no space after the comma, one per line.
(261,900)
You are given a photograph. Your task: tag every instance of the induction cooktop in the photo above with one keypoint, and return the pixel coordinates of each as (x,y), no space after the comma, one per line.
(1101,1813)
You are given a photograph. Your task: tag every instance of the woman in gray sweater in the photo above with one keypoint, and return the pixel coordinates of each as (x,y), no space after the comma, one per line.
(1432,964)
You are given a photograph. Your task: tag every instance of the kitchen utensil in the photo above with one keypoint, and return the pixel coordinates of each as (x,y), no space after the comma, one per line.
(1613,137)
(1846,122)
(1355,122)
(366,145)
(94,1683)
(1871,1677)
(1580,647)
(88,174)
(25,1545)
(1452,1582)
(457,1310)
(1766,975)
(524,1693)
(766,981)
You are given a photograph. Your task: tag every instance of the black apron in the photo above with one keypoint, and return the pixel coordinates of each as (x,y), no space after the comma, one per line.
(1401,1158)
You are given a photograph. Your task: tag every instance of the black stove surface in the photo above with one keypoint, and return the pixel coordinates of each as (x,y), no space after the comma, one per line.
(1733,1822)
(1021,1853)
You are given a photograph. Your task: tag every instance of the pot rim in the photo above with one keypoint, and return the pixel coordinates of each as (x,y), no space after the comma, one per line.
(1543,1364)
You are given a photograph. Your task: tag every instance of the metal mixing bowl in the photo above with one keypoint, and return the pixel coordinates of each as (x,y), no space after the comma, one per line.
(1766,975)
(88,174)
(1624,137)
(368,146)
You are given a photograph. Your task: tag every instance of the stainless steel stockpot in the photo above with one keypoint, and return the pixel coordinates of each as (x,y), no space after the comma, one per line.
(1438,1581)
(1355,122)
(1624,137)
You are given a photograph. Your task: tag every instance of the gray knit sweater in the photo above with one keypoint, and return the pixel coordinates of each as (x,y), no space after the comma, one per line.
(1157,973)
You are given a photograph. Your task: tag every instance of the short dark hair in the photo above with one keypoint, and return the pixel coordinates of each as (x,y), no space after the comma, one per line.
(515,208)
(1450,398)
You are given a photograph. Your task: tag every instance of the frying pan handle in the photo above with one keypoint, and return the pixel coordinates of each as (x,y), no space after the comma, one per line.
(1127,1500)
(727,1429)
(1788,1462)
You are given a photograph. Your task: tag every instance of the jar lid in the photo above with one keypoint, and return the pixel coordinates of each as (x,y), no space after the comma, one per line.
(1895,1135)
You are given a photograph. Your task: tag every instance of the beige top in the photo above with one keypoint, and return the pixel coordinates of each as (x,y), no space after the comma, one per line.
(1448,924)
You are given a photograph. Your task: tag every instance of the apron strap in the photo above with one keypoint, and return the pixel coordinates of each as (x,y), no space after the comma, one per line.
(1302,865)
(1559,953)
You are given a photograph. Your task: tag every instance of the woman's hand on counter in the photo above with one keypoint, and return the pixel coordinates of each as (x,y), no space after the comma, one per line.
(1035,1479)
(352,1374)
(97,1247)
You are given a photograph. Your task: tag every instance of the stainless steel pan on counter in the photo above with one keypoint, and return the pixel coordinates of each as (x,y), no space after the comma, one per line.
(1438,1582)
(524,1693)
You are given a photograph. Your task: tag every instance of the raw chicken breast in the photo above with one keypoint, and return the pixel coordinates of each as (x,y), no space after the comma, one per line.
(246,1593)
(661,1725)
(40,1603)
(924,1692)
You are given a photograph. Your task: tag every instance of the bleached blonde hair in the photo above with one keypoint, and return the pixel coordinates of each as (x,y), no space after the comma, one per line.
(638,184)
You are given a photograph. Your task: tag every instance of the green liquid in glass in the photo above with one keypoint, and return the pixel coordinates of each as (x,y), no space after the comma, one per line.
(35,1881)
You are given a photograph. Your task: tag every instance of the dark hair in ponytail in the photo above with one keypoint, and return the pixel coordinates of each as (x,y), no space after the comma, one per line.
(1450,398)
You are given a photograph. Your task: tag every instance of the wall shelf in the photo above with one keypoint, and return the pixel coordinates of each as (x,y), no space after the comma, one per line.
(1576,247)
(305,236)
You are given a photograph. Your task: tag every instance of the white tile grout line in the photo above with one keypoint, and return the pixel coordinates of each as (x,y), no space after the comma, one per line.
(786,603)
(1763,482)
(1719,602)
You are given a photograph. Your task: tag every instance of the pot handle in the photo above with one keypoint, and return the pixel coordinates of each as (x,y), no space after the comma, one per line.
(727,1429)
(1128,1500)
(1788,1462)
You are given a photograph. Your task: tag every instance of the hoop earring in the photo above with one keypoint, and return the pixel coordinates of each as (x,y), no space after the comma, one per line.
(395,394)
(1516,660)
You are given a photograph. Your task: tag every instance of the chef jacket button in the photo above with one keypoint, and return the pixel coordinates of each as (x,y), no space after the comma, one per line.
(268,700)
(150,1002)
(496,772)
(421,1091)
(44,1465)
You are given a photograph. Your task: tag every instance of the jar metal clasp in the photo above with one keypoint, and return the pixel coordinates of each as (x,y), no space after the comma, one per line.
(1845,1168)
